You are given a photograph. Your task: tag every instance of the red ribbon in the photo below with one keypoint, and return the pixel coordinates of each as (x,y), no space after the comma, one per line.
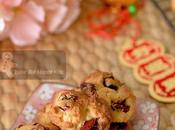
(114,27)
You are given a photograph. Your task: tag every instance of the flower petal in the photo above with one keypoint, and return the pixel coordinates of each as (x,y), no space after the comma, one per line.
(47,4)
(36,11)
(2,25)
(73,13)
(56,17)
(24,30)
(12,3)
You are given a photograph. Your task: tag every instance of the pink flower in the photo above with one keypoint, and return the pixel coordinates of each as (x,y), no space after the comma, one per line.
(59,13)
(55,14)
(21,21)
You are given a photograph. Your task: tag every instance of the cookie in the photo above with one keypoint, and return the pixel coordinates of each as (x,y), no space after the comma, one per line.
(153,66)
(42,116)
(132,54)
(37,126)
(163,88)
(119,97)
(73,109)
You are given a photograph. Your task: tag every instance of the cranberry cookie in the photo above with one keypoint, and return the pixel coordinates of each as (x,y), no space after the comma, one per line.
(116,94)
(37,126)
(75,110)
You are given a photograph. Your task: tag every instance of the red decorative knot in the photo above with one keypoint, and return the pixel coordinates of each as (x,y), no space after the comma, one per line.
(114,27)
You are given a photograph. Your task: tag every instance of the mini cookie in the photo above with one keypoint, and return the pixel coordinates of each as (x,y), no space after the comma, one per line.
(37,126)
(153,66)
(117,95)
(163,88)
(73,109)
(132,54)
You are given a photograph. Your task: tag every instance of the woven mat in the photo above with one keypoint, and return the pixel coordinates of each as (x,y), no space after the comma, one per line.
(83,56)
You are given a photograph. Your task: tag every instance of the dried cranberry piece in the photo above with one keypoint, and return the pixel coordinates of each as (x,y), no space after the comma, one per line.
(46,128)
(71,97)
(111,86)
(20,126)
(65,108)
(40,127)
(89,88)
(120,105)
(95,127)
(90,125)
(118,126)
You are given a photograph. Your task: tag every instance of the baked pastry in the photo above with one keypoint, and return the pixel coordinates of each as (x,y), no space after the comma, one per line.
(42,116)
(101,103)
(119,97)
(37,126)
(74,110)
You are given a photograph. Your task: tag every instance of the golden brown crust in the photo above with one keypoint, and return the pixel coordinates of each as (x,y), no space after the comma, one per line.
(101,101)
(117,95)
(71,108)
(37,126)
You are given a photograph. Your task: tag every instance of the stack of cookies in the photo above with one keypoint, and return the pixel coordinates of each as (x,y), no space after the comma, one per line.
(100,103)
